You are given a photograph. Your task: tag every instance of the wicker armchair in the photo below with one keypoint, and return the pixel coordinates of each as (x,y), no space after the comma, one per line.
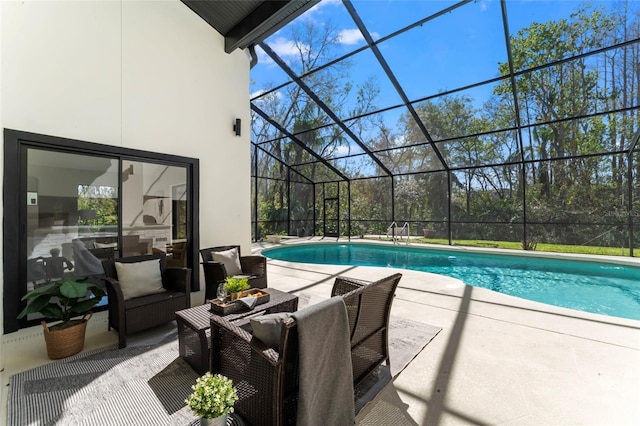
(178,258)
(215,272)
(144,312)
(267,379)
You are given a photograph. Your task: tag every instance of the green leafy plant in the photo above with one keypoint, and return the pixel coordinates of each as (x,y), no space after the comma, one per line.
(213,396)
(235,284)
(63,300)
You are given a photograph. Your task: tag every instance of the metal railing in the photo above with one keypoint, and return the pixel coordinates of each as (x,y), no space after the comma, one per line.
(397,233)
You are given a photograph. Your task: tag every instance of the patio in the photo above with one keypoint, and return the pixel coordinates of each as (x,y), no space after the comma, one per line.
(434,115)
(497,360)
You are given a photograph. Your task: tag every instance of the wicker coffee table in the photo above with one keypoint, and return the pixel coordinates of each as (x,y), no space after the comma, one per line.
(194,329)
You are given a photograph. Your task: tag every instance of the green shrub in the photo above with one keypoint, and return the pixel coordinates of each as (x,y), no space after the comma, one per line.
(235,284)
(213,396)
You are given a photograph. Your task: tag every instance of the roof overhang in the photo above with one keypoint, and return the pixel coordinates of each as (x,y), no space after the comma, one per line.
(247,22)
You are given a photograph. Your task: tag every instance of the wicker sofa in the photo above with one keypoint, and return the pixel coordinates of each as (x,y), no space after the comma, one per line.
(215,272)
(130,316)
(268,378)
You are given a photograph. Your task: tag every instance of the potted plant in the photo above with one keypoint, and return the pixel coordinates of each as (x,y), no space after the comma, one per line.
(212,399)
(235,285)
(63,300)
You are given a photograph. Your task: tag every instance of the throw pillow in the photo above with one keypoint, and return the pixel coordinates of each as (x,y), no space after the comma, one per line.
(105,245)
(230,260)
(268,328)
(139,278)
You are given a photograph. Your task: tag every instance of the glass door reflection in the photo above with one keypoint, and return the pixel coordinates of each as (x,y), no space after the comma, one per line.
(72,215)
(154,200)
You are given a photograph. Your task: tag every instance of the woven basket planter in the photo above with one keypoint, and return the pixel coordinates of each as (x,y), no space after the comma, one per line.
(67,341)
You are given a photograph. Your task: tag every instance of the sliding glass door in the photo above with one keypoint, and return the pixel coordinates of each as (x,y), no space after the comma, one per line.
(79,203)
(72,206)
(74,221)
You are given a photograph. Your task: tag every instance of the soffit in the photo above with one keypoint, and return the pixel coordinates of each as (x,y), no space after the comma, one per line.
(246,22)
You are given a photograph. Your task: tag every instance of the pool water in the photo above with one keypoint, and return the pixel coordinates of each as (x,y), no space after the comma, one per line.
(588,286)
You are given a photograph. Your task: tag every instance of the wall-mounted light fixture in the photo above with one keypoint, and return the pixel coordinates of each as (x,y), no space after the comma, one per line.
(236,127)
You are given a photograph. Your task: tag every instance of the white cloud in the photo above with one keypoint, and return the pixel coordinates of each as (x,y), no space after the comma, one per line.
(273,95)
(350,36)
(353,36)
(256,93)
(263,58)
(321,5)
(399,140)
(284,47)
(342,150)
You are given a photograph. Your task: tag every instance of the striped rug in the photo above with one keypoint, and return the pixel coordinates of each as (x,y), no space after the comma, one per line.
(146,384)
(137,385)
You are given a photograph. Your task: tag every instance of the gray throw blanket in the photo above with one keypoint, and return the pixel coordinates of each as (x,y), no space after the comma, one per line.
(325,395)
(85,261)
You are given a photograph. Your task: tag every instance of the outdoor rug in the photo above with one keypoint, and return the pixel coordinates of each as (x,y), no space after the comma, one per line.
(147,384)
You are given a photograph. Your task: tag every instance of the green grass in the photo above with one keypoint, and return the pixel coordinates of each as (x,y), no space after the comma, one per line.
(517,245)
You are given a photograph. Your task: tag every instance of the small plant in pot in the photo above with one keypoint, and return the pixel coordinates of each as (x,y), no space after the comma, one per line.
(64,300)
(212,399)
(235,285)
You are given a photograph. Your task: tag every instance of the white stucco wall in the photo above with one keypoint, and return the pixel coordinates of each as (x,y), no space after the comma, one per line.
(150,75)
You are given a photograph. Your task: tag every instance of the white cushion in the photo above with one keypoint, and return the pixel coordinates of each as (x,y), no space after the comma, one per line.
(139,278)
(230,260)
(105,245)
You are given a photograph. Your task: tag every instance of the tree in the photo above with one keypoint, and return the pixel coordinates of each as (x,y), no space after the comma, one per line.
(561,104)
(103,200)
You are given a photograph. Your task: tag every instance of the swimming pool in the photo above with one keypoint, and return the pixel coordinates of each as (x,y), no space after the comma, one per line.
(601,288)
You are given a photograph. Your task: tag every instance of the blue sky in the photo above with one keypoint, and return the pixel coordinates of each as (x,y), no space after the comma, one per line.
(454,50)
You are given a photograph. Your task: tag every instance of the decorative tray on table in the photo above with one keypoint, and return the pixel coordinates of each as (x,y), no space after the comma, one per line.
(232,306)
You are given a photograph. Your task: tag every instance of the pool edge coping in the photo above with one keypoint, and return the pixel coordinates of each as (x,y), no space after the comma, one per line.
(626,261)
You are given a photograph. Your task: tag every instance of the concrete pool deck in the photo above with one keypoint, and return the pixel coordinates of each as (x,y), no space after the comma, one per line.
(498,359)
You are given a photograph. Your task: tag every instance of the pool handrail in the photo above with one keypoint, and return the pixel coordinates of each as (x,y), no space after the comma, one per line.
(393,229)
